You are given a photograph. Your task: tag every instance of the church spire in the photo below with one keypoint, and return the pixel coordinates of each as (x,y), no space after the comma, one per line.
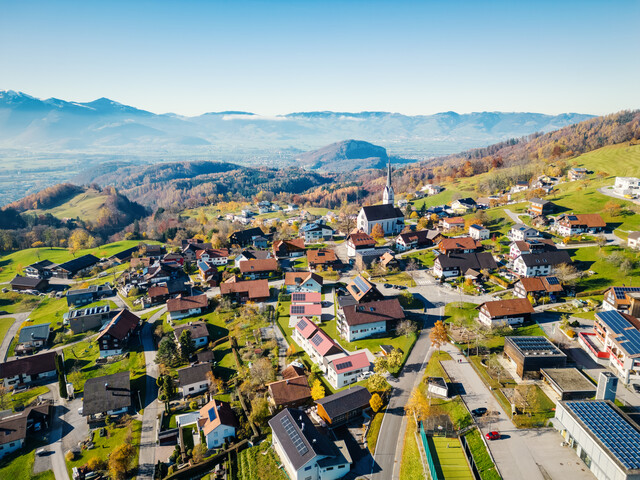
(388,195)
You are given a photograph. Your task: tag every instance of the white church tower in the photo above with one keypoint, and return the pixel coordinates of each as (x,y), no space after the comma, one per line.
(387,195)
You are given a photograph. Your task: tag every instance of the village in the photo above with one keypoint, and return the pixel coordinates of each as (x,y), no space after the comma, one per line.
(337,352)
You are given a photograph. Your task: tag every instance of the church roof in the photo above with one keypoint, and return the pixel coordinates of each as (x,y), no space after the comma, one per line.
(382,212)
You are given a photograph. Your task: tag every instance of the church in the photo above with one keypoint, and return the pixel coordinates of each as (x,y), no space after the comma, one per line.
(387,215)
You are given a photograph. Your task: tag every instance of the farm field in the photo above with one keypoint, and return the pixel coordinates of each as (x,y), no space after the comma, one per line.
(84,206)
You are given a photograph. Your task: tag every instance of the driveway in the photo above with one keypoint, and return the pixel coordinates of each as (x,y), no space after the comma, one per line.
(11,333)
(532,454)
(608,191)
(152,407)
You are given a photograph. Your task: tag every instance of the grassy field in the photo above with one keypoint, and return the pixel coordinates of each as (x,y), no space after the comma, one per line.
(116,435)
(451,460)
(411,463)
(5,324)
(12,302)
(607,274)
(50,310)
(12,262)
(84,206)
(481,457)
(27,397)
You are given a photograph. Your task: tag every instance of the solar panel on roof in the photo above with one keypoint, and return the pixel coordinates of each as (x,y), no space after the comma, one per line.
(302,324)
(340,366)
(611,429)
(298,297)
(213,414)
(317,340)
(360,283)
(626,335)
(552,281)
(294,436)
(297,309)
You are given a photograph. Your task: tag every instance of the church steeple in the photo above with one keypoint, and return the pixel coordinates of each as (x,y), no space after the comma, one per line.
(388,195)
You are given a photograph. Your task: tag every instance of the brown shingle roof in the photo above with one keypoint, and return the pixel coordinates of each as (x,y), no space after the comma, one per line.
(197,329)
(34,364)
(292,371)
(120,326)
(253,266)
(321,256)
(361,239)
(290,390)
(462,243)
(293,278)
(501,308)
(372,312)
(186,303)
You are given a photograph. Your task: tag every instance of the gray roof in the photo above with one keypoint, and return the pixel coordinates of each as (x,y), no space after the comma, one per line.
(634,235)
(197,373)
(299,438)
(546,258)
(102,394)
(29,282)
(382,212)
(465,261)
(345,401)
(34,332)
(79,263)
(197,329)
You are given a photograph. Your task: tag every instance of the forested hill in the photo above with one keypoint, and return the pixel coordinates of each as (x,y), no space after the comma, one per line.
(193,183)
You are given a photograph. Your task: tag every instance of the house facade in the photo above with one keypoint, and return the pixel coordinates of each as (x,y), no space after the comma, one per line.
(194,380)
(505,312)
(27,370)
(479,232)
(371,318)
(520,232)
(182,307)
(303,282)
(627,186)
(217,422)
(568,225)
(346,370)
(359,242)
(115,334)
(540,264)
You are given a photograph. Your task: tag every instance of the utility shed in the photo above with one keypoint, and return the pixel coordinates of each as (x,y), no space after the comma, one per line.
(530,354)
(569,383)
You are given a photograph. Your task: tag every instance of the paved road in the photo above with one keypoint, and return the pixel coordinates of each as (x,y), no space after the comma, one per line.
(608,191)
(514,216)
(11,333)
(533,454)
(152,407)
(58,464)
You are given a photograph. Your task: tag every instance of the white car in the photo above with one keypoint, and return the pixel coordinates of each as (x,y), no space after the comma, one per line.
(364,375)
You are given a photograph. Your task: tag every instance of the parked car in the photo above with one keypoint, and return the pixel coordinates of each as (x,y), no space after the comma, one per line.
(492,436)
(478,412)
(386,285)
(636,387)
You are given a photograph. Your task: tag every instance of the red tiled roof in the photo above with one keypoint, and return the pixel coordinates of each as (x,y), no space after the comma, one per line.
(357,360)
(462,243)
(454,220)
(321,256)
(290,390)
(291,277)
(514,306)
(309,309)
(292,371)
(306,297)
(361,239)
(323,343)
(306,328)
(253,288)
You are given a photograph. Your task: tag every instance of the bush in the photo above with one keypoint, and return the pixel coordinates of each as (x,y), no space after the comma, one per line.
(70,456)
(570,332)
(193,405)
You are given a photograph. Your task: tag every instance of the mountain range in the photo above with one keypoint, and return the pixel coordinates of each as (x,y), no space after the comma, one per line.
(105,126)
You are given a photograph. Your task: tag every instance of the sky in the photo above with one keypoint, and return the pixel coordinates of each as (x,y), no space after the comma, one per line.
(276,57)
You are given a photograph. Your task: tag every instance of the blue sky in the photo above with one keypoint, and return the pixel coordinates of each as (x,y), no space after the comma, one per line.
(274,57)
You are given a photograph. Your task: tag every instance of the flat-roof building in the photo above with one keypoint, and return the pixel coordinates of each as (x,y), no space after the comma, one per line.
(530,354)
(604,437)
(569,383)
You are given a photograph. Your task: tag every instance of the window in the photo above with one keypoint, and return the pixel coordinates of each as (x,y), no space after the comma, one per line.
(12,444)
(307,468)
(190,389)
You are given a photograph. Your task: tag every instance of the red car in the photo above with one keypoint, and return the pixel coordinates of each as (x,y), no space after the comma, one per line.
(492,436)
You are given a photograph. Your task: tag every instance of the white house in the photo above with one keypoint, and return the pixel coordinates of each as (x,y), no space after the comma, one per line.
(316,232)
(199,333)
(432,189)
(194,380)
(26,370)
(182,307)
(633,240)
(219,423)
(305,453)
(499,312)
(366,319)
(359,242)
(346,369)
(540,264)
(521,232)
(627,186)
(215,256)
(303,282)
(568,224)
(478,232)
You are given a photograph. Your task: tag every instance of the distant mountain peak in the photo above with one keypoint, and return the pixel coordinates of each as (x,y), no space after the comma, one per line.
(345,156)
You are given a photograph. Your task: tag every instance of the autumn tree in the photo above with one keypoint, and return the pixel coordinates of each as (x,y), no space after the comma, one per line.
(79,240)
(317,390)
(417,405)
(259,411)
(216,385)
(438,334)
(601,240)
(375,402)
(377,383)
(199,453)
(121,461)
(566,273)
(412,265)
(377,231)
(261,371)
(406,328)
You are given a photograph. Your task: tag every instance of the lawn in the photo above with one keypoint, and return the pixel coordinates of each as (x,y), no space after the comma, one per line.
(481,457)
(26,398)
(461,313)
(411,463)
(83,356)
(425,258)
(399,278)
(50,310)
(301,263)
(12,302)
(5,324)
(116,435)
(260,462)
(374,430)
(19,466)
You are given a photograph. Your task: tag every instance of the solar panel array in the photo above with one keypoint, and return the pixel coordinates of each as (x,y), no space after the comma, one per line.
(297,309)
(317,339)
(213,414)
(298,297)
(611,429)
(627,336)
(534,344)
(342,365)
(620,291)
(553,281)
(361,284)
(294,436)
(302,324)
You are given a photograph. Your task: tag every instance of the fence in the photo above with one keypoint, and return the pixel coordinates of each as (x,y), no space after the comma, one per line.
(472,463)
(427,450)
